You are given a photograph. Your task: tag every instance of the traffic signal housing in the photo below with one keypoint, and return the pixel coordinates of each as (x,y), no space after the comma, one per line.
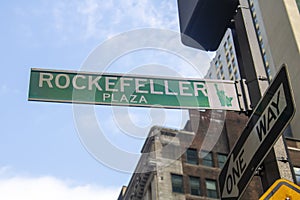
(203,22)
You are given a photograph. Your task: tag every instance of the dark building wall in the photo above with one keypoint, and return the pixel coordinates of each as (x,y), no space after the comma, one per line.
(235,124)
(294,151)
(205,124)
(209,127)
(231,125)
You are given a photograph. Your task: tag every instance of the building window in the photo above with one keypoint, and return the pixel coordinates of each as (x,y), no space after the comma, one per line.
(258,32)
(225,46)
(217,64)
(268,69)
(255,21)
(211,189)
(227,58)
(195,185)
(207,158)
(262,45)
(265,57)
(297,174)
(236,75)
(251,3)
(221,159)
(231,51)
(177,183)
(192,156)
(221,70)
(230,69)
(233,63)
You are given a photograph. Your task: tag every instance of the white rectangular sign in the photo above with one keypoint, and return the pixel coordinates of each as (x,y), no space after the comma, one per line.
(269,119)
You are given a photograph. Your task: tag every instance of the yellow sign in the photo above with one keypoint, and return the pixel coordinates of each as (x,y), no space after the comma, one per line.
(282,189)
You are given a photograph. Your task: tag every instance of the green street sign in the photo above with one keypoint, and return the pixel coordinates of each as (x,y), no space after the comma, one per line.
(131,90)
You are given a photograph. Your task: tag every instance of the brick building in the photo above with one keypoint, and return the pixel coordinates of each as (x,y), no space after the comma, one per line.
(193,174)
(185,164)
(293,146)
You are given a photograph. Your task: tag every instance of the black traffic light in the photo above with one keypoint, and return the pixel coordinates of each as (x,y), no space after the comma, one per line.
(203,22)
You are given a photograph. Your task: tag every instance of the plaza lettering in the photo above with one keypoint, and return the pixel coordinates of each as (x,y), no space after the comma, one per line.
(134,99)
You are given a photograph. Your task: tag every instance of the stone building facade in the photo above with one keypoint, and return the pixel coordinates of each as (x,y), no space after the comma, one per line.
(185,164)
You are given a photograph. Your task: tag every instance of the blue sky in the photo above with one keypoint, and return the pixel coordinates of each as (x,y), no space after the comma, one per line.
(41,155)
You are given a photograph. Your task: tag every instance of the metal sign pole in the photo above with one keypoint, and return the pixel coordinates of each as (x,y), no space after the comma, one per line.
(252,69)
(266,124)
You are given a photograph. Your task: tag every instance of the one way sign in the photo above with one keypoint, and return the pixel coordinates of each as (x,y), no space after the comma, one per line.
(269,119)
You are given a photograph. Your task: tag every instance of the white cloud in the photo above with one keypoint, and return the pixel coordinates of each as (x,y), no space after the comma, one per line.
(82,20)
(49,188)
(99,19)
(4,90)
